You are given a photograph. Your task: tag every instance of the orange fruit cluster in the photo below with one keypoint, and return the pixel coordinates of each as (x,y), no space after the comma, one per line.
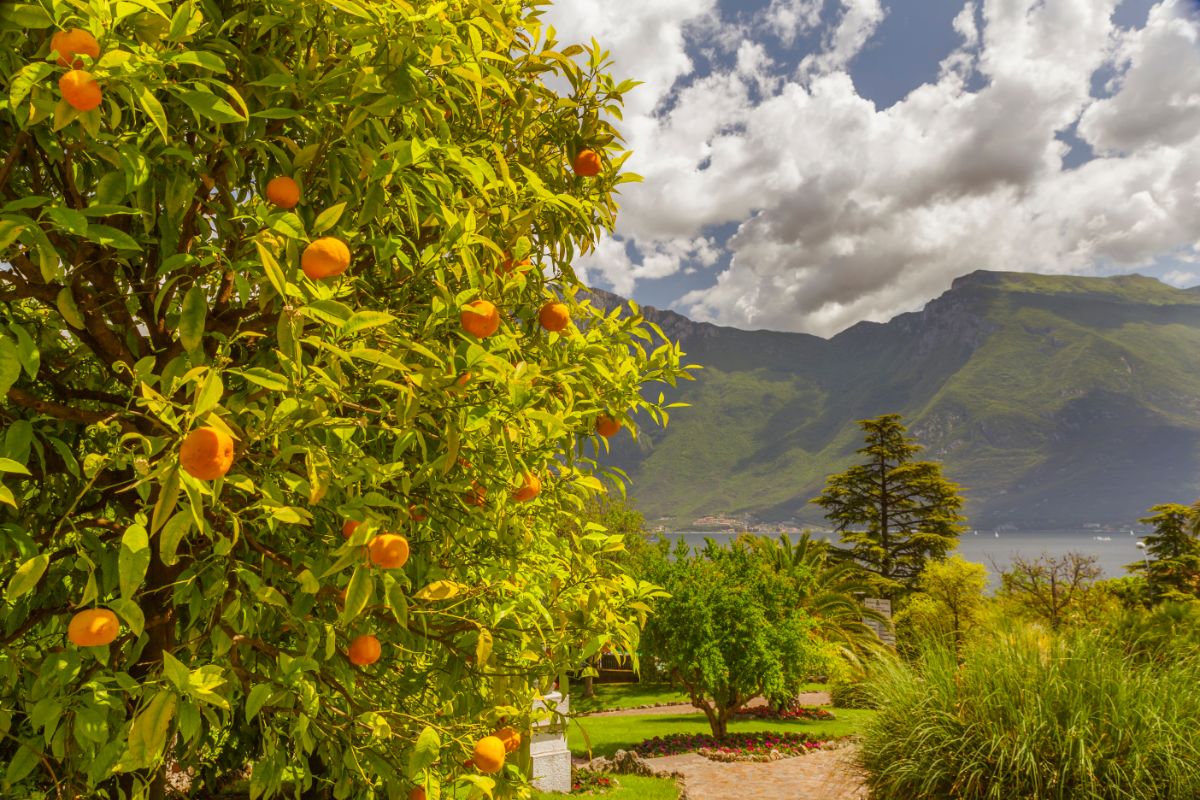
(77,86)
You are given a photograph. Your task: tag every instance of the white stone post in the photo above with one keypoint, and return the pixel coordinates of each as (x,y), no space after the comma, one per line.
(548,748)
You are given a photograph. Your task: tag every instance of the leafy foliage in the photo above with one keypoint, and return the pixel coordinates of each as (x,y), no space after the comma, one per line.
(150,291)
(893,512)
(1029,714)
(732,628)
(948,604)
(1172,565)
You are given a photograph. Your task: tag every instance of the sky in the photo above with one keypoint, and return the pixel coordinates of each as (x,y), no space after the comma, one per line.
(810,164)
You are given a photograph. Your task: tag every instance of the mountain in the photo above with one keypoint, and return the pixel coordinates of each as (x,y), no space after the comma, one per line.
(1055,401)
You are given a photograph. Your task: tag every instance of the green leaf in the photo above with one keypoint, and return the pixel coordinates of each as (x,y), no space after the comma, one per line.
(365,320)
(22,763)
(191,317)
(133,559)
(440,590)
(483,647)
(328,218)
(148,734)
(67,308)
(274,272)
(111,237)
(176,672)
(208,394)
(25,79)
(131,612)
(27,351)
(8,465)
(10,365)
(27,577)
(154,110)
(172,534)
(265,378)
(358,594)
(257,699)
(424,752)
(10,229)
(208,106)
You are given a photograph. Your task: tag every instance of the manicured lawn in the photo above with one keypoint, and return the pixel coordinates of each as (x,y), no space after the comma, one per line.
(609,734)
(624,695)
(632,788)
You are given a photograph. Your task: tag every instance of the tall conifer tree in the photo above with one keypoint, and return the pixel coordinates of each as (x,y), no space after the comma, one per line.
(893,512)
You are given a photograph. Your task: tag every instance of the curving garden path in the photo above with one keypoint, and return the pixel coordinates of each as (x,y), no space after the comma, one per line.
(820,775)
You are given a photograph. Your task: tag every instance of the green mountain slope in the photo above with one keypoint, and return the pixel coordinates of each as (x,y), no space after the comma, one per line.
(1055,400)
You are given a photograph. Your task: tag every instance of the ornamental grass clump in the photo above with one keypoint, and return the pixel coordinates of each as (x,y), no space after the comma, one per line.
(1026,714)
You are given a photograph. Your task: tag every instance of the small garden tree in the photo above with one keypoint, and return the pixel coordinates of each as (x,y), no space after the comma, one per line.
(1058,590)
(730,629)
(301,391)
(949,601)
(893,512)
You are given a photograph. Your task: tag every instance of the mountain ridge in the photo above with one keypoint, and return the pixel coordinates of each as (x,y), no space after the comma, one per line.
(1057,400)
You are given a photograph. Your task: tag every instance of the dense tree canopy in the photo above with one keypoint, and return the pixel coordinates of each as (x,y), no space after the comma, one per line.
(1172,564)
(894,512)
(298,373)
(733,627)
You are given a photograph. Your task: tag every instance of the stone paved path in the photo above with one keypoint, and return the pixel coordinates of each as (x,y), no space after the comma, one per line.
(805,698)
(821,775)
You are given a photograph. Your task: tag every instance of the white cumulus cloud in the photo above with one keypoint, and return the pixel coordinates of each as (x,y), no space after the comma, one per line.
(845,211)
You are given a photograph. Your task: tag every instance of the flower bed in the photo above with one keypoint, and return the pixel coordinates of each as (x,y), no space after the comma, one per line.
(586,782)
(734,747)
(796,713)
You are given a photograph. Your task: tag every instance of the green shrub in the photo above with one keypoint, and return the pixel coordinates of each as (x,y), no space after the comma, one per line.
(849,692)
(1028,715)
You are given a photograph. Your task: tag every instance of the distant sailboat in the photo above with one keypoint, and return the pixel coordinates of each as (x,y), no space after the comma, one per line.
(997,534)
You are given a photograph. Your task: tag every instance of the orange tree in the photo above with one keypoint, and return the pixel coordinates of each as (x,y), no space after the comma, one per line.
(271,269)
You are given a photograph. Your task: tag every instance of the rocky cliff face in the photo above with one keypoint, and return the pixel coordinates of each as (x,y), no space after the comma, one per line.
(1056,400)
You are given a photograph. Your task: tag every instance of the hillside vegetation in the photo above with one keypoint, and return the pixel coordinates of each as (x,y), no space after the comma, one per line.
(1055,400)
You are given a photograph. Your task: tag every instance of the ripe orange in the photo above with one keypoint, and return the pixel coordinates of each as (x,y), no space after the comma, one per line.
(510,738)
(283,192)
(364,650)
(80,90)
(416,513)
(530,488)
(489,755)
(417,793)
(587,163)
(481,319)
(463,379)
(476,495)
(606,426)
(554,317)
(388,550)
(348,527)
(73,42)
(206,453)
(326,257)
(94,627)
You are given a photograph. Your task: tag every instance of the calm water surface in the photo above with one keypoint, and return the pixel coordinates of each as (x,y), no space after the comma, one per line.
(997,552)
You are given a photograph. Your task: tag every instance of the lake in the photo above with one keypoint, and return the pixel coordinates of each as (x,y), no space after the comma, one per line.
(996,552)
